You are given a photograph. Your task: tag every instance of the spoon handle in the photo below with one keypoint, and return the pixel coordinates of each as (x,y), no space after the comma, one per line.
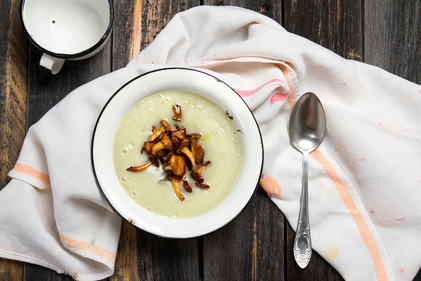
(302,242)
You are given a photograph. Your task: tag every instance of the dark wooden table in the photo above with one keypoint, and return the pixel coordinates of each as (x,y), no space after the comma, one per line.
(257,245)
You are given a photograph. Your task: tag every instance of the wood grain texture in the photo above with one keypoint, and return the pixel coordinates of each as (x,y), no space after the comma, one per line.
(393,37)
(167,259)
(338,26)
(126,267)
(46,90)
(156,14)
(251,247)
(136,25)
(126,32)
(126,43)
(13,86)
(393,40)
(10,270)
(138,22)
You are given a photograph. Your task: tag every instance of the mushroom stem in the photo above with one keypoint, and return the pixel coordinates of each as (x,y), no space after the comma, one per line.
(165,143)
(140,168)
(156,134)
(177,112)
(164,128)
(176,186)
(187,186)
(177,164)
(190,156)
(202,168)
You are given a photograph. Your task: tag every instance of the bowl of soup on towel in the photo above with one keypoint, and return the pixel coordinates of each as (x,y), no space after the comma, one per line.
(177,152)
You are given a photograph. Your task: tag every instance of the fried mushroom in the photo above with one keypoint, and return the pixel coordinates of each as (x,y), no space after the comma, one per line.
(178,153)
(177,112)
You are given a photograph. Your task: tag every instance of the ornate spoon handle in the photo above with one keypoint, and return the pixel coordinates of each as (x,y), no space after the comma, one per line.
(302,242)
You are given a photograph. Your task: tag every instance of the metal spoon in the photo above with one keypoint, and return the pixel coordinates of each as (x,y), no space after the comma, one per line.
(307,127)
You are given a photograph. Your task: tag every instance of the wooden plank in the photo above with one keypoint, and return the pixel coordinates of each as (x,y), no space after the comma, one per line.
(142,256)
(126,266)
(338,26)
(10,270)
(393,37)
(45,91)
(13,86)
(167,259)
(126,44)
(156,14)
(137,23)
(13,81)
(252,246)
(126,32)
(393,40)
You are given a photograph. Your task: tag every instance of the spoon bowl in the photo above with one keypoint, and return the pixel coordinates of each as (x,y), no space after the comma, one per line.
(307,124)
(307,128)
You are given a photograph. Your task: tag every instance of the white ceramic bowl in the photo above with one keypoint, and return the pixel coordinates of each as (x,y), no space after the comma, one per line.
(193,81)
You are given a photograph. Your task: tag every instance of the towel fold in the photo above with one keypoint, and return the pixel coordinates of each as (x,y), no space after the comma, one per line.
(364,179)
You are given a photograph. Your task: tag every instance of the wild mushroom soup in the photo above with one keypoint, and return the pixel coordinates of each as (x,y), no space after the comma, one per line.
(149,188)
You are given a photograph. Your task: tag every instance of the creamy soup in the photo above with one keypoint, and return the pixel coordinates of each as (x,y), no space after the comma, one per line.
(220,140)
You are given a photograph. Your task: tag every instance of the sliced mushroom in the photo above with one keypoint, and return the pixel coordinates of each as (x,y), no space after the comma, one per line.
(196,176)
(156,134)
(202,185)
(190,156)
(147,146)
(165,139)
(187,186)
(166,125)
(140,168)
(167,166)
(202,167)
(178,165)
(193,144)
(153,160)
(180,134)
(184,143)
(186,172)
(165,143)
(164,128)
(158,147)
(175,142)
(200,153)
(177,112)
(166,156)
(176,186)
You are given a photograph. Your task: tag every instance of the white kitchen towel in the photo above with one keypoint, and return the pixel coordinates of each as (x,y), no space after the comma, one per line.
(364,180)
